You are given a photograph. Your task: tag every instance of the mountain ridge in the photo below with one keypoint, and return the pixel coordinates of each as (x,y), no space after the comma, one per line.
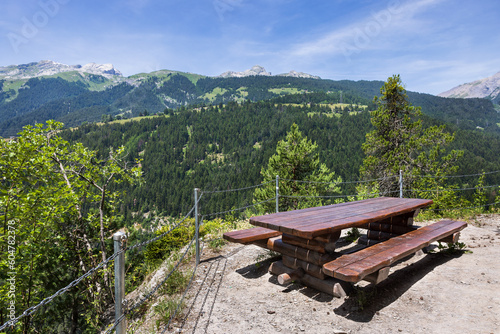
(258,70)
(73,97)
(49,68)
(488,88)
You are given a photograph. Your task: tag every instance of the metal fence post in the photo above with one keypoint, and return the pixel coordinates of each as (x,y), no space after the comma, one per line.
(277,193)
(120,241)
(400,183)
(197,223)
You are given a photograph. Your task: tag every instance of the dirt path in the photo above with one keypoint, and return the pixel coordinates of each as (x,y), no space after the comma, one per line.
(433,293)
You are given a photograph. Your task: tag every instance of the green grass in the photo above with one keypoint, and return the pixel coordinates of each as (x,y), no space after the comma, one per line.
(288,90)
(165,74)
(133,119)
(213,94)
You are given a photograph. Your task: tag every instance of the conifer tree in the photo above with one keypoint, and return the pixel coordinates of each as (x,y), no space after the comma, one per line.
(399,142)
(301,175)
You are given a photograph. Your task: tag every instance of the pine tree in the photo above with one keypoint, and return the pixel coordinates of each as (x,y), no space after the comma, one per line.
(297,164)
(399,142)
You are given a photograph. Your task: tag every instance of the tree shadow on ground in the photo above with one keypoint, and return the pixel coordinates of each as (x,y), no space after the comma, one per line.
(364,302)
(257,269)
(309,292)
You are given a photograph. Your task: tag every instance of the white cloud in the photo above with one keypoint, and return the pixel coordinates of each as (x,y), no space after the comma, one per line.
(383,25)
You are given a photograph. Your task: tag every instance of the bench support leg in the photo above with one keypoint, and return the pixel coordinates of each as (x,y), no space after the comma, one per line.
(451,239)
(330,286)
(378,276)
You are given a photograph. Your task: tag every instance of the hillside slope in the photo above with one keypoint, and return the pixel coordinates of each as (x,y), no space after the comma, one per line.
(488,88)
(73,96)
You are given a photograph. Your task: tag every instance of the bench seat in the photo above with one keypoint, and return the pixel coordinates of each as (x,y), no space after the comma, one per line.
(251,235)
(356,266)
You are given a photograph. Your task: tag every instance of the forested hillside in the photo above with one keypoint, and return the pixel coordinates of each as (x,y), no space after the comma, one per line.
(225,147)
(93,98)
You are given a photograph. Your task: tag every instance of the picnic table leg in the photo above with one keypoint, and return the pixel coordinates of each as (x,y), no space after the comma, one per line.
(329,286)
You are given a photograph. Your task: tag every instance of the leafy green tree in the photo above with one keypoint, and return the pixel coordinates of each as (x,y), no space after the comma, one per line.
(399,142)
(57,212)
(297,164)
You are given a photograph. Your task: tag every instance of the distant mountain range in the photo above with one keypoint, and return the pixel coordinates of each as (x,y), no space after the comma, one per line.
(488,88)
(51,68)
(259,70)
(74,94)
(48,68)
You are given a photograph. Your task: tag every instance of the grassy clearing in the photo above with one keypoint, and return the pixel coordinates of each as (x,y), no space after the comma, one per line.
(213,94)
(288,90)
(166,74)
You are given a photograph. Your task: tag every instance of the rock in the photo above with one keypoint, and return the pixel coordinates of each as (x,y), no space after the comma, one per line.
(49,67)
(483,88)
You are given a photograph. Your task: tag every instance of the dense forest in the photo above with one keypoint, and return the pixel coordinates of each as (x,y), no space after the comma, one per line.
(226,146)
(97,98)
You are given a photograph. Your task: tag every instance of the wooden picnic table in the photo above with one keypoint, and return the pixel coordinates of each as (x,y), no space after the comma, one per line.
(313,222)
(306,238)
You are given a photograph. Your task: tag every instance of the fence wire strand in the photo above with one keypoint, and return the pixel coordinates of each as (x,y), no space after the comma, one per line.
(336,196)
(147,242)
(182,299)
(340,183)
(466,208)
(238,189)
(455,176)
(153,291)
(47,300)
(238,209)
(451,189)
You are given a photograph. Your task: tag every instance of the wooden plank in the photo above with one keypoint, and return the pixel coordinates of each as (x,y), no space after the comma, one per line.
(401,220)
(315,244)
(275,220)
(400,246)
(250,235)
(309,268)
(329,286)
(389,228)
(287,278)
(278,217)
(361,208)
(334,215)
(379,235)
(311,230)
(354,267)
(378,276)
(451,238)
(301,253)
(361,255)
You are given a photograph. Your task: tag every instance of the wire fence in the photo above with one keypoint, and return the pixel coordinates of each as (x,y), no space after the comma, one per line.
(195,240)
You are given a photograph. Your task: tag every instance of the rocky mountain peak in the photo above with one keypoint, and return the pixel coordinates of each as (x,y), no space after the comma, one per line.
(259,70)
(255,70)
(484,88)
(49,67)
(295,74)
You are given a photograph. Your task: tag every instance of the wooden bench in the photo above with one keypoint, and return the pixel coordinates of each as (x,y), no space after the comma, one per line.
(372,263)
(256,235)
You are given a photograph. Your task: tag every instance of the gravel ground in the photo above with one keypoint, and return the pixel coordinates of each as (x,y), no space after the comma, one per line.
(431,293)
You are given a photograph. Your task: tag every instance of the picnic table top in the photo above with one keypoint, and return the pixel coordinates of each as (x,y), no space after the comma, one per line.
(312,222)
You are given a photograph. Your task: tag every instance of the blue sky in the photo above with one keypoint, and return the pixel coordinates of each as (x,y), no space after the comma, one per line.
(433,44)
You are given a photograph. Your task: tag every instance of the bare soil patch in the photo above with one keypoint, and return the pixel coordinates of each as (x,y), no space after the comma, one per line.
(433,293)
